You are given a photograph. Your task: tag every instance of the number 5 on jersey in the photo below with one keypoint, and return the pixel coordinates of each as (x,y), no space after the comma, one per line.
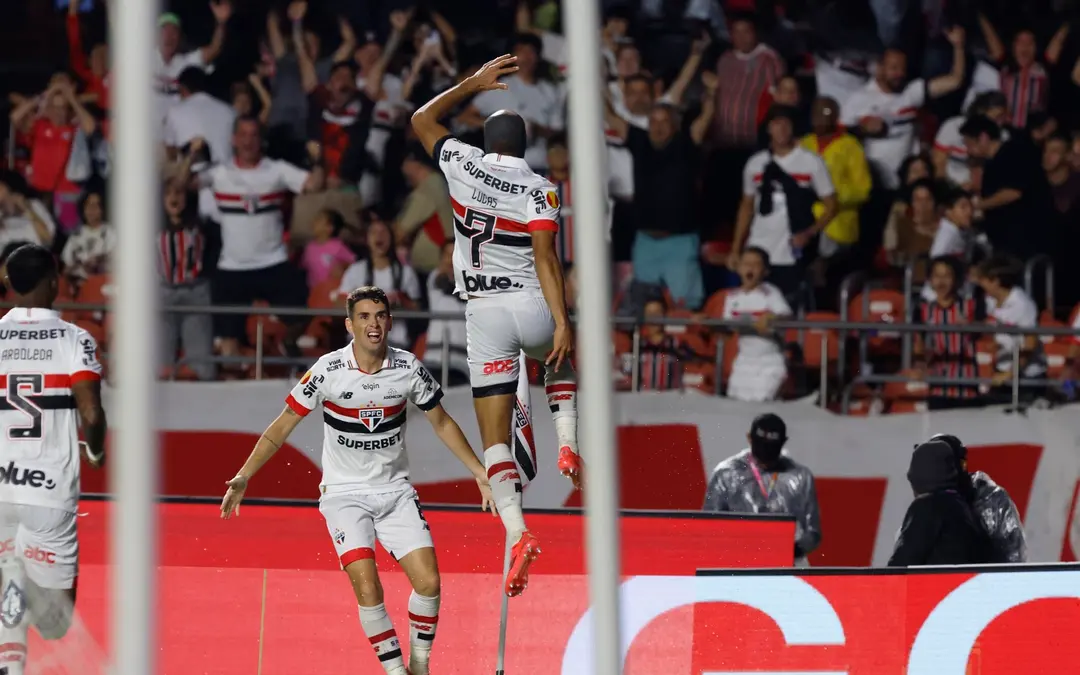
(481,228)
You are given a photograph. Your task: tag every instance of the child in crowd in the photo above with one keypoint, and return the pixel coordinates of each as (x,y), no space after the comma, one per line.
(326,256)
(940,354)
(87,251)
(759,369)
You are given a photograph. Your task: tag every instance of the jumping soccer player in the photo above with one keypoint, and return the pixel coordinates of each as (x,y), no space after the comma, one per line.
(365,492)
(506,266)
(48,371)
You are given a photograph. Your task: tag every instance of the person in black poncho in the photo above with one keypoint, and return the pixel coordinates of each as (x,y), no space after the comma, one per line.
(940,527)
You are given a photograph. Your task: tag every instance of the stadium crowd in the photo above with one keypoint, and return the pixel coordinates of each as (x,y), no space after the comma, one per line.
(887,161)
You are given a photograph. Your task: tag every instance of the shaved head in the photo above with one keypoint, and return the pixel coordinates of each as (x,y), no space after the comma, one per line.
(504,134)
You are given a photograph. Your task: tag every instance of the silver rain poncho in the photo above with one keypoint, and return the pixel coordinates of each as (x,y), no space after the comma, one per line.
(734,488)
(999,516)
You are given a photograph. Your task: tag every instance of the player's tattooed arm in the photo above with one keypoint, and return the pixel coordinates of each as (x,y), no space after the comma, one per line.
(87,395)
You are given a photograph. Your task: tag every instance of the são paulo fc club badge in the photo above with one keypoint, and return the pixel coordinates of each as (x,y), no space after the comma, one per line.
(371,417)
(339,537)
(12,606)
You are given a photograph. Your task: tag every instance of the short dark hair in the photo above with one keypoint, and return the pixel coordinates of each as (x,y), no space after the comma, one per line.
(337,221)
(98,190)
(1060,136)
(927,183)
(527,39)
(193,79)
(640,77)
(743,16)
(504,134)
(954,264)
(977,125)
(344,63)
(761,253)
(373,293)
(558,140)
(1006,270)
(240,119)
(953,196)
(987,101)
(29,266)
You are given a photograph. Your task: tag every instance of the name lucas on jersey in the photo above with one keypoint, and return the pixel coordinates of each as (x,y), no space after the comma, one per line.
(378,444)
(491,181)
(484,200)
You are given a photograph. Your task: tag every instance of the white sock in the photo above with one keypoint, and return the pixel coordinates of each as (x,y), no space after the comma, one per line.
(423,620)
(506,488)
(384,640)
(561,389)
(16,610)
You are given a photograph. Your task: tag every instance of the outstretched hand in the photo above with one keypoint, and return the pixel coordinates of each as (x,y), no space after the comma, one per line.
(230,505)
(487,78)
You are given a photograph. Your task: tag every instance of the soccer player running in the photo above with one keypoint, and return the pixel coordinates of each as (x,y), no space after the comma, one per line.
(365,492)
(49,379)
(506,265)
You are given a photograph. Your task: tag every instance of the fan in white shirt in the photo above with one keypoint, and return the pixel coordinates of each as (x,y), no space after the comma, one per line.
(169,62)
(87,251)
(950,155)
(759,369)
(1008,304)
(199,114)
(953,236)
(381,268)
(885,110)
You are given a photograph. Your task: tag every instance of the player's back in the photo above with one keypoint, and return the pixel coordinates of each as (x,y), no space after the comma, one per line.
(41,358)
(498,203)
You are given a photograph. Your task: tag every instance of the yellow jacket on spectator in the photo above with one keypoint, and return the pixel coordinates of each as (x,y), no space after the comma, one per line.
(843,155)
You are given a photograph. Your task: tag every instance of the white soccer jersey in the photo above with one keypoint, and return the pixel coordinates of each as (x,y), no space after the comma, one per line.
(743,304)
(498,201)
(364,418)
(249,203)
(41,357)
(1018,310)
(899,111)
(772,232)
(166,74)
(950,142)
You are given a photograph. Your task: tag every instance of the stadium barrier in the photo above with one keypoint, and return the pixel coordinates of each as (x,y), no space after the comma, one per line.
(825,330)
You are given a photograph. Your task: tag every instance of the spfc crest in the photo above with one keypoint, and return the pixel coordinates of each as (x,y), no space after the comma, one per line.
(339,537)
(12,606)
(371,417)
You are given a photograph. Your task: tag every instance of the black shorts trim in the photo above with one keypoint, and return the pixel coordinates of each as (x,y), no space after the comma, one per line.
(501,389)
(357,428)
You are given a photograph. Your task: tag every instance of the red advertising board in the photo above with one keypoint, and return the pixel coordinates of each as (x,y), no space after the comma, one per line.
(1001,621)
(266,589)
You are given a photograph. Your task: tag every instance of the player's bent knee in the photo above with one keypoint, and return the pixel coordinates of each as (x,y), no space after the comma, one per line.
(429,584)
(364,577)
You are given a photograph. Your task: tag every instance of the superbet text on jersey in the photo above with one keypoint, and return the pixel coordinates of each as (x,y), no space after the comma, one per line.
(41,357)
(364,418)
(498,202)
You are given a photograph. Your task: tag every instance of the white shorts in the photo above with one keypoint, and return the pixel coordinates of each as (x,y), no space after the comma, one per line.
(497,330)
(757,378)
(45,540)
(395,519)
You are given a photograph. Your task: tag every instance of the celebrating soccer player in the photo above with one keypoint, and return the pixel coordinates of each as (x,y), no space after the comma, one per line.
(365,492)
(505,264)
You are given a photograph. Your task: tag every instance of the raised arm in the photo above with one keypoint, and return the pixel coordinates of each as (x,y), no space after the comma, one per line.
(946,84)
(345,50)
(700,126)
(675,92)
(309,76)
(425,121)
(274,38)
(24,114)
(994,46)
(265,100)
(615,121)
(373,85)
(1057,44)
(266,447)
(222,10)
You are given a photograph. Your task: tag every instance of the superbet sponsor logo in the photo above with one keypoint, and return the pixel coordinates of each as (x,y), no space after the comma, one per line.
(922,623)
(496,367)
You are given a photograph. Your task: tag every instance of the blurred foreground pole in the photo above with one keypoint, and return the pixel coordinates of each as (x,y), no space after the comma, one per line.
(581,25)
(133,462)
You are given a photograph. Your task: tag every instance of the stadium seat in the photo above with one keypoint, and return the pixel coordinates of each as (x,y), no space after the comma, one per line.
(985,353)
(324,295)
(700,376)
(1047,319)
(883,306)
(812,338)
(273,331)
(694,336)
(96,290)
(1056,355)
(67,291)
(911,390)
(714,305)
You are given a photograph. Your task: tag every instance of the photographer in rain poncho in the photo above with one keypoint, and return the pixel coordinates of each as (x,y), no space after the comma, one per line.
(992,505)
(762,479)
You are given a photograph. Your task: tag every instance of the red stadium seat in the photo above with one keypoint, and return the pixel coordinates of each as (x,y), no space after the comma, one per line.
(1056,355)
(985,354)
(714,306)
(701,376)
(273,331)
(813,337)
(883,306)
(1047,319)
(912,390)
(694,336)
